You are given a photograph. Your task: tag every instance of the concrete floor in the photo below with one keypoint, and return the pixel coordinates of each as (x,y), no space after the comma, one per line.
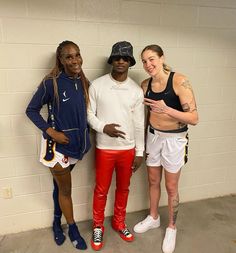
(206,226)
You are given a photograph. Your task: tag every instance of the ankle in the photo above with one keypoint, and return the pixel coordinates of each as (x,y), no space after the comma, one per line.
(172,226)
(154,216)
(72,226)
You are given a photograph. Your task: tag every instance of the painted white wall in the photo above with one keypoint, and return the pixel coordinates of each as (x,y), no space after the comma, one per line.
(199,40)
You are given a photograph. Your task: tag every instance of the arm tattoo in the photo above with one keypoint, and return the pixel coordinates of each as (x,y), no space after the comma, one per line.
(186,107)
(191,107)
(181,125)
(186,84)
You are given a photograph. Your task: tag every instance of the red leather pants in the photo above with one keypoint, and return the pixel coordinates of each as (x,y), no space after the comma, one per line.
(106,162)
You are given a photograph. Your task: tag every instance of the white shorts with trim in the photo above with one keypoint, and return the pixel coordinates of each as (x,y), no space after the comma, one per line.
(50,157)
(169,150)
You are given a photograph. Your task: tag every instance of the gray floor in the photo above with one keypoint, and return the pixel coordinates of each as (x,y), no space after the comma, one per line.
(207,226)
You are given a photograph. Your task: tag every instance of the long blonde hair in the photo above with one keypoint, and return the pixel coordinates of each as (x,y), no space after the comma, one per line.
(58,68)
(157,49)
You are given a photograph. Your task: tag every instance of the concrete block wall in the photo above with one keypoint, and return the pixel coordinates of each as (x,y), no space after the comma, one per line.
(199,40)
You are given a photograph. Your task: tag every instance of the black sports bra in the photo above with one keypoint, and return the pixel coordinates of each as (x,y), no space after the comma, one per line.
(168,95)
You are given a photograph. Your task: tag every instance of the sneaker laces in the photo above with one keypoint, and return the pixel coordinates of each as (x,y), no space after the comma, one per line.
(125,232)
(97,235)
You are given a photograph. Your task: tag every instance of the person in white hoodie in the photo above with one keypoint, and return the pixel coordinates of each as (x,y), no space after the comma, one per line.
(116,113)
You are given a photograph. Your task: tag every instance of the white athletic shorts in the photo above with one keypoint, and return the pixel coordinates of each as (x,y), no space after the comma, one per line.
(49,156)
(169,150)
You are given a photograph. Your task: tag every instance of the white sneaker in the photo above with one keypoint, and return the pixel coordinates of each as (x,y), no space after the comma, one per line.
(168,245)
(147,224)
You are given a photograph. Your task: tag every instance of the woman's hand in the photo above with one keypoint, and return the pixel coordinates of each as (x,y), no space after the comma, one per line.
(157,106)
(57,136)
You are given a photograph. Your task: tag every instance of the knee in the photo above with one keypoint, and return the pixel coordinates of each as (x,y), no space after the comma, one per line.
(123,190)
(172,189)
(100,191)
(154,182)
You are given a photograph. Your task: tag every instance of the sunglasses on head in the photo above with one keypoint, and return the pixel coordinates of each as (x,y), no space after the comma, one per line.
(124,58)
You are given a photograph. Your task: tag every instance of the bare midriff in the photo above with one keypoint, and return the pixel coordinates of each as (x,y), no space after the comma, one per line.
(164,122)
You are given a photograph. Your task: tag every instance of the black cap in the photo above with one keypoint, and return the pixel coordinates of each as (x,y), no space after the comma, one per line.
(122,48)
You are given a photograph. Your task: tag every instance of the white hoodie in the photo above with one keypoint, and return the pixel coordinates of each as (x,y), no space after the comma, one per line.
(120,103)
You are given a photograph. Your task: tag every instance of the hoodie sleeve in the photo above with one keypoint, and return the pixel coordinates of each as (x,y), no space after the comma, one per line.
(40,98)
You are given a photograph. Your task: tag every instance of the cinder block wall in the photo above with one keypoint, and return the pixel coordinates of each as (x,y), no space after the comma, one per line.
(199,39)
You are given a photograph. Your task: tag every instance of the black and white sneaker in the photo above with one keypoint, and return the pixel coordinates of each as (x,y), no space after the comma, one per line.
(97,239)
(126,235)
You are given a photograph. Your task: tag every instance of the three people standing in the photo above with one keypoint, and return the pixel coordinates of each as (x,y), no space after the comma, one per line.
(115,106)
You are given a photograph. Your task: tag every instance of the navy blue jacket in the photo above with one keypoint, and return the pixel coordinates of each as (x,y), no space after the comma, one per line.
(69,117)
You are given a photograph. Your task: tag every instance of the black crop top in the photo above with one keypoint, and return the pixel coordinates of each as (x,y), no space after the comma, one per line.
(168,95)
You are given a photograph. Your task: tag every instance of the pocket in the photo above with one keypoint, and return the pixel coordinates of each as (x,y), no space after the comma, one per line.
(182,142)
(74,141)
(85,141)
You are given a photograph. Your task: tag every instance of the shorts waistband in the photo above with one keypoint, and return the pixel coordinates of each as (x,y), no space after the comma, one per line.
(166,134)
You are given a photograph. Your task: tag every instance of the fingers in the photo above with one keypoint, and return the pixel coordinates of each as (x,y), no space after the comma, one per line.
(66,138)
(117,133)
(134,166)
(120,132)
(147,103)
(112,131)
(121,135)
(62,138)
(153,102)
(159,109)
(134,169)
(66,141)
(115,125)
(157,106)
(63,141)
(149,100)
(136,163)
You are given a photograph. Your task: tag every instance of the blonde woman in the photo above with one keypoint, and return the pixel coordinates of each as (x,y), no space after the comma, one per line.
(171,106)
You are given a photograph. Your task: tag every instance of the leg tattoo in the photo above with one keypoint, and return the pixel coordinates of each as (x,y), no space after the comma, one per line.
(175,209)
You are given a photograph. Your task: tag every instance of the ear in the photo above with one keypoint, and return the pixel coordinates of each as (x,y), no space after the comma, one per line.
(162,59)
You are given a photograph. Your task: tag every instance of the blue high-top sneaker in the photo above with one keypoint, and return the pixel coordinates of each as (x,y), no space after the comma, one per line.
(59,236)
(75,237)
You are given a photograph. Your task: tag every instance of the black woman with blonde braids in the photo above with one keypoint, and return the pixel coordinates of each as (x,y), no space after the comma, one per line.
(65,137)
